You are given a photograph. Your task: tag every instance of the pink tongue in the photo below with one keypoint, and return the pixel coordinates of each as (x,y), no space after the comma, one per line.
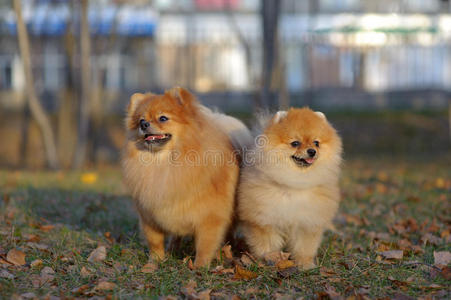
(310,160)
(154,137)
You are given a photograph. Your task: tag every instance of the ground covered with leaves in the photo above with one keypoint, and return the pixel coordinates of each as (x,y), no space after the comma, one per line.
(75,235)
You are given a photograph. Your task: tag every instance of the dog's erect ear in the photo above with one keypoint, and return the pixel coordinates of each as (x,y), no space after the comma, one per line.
(279,116)
(183,96)
(135,99)
(321,114)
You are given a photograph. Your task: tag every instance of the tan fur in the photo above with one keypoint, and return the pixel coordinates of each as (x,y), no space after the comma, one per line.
(187,186)
(281,203)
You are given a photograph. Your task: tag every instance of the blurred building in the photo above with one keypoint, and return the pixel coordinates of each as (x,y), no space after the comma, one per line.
(370,46)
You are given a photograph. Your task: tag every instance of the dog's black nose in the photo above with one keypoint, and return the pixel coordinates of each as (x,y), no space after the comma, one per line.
(311,152)
(144,124)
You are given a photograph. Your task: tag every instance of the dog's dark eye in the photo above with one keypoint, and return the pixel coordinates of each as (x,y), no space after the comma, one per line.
(295,144)
(163,119)
(316,143)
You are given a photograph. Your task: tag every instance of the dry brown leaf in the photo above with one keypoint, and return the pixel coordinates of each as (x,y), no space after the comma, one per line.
(47,275)
(326,272)
(246,260)
(36,263)
(284,264)
(241,273)
(98,254)
(46,227)
(446,273)
(222,270)
(227,251)
(190,264)
(105,286)
(80,290)
(189,290)
(16,257)
(273,258)
(445,233)
(32,237)
(204,295)
(392,254)
(149,268)
(442,258)
(84,272)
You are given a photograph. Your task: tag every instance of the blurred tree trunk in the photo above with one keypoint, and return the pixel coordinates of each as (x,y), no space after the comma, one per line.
(81,149)
(36,108)
(67,115)
(270,11)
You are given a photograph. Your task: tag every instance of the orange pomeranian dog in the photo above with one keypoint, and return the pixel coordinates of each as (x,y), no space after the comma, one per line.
(180,165)
(288,193)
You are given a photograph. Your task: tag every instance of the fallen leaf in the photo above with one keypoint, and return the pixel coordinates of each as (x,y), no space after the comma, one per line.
(84,272)
(392,254)
(16,257)
(105,286)
(46,227)
(36,263)
(204,295)
(47,275)
(149,268)
(28,295)
(32,237)
(431,239)
(442,258)
(241,273)
(227,251)
(285,273)
(446,273)
(326,272)
(37,246)
(400,296)
(190,264)
(6,274)
(98,254)
(222,270)
(80,290)
(89,177)
(189,290)
(445,233)
(35,280)
(284,264)
(273,258)
(246,260)
(332,293)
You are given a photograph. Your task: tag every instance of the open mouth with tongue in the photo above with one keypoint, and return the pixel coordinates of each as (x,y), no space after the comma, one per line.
(304,162)
(159,138)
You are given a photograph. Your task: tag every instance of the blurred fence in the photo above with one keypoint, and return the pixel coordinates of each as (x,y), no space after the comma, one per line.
(359,69)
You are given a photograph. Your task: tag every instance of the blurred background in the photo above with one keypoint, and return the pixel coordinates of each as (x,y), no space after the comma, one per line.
(380,70)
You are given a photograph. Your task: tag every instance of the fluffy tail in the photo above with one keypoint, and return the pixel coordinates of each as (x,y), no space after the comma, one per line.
(239,134)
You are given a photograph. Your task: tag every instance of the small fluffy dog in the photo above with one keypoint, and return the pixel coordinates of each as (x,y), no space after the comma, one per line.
(288,192)
(181,167)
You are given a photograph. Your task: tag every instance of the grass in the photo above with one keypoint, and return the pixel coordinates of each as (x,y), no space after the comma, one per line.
(387,204)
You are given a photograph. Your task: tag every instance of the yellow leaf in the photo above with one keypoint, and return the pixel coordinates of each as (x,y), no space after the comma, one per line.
(284,264)
(241,273)
(89,177)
